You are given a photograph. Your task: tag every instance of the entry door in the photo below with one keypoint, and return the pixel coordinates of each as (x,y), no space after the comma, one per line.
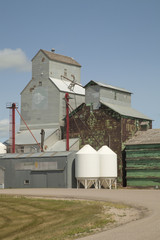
(39,179)
(57,179)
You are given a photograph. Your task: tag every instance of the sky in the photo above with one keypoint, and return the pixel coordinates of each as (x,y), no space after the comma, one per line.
(117,42)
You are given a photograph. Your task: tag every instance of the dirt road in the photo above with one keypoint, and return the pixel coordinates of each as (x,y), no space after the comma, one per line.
(147,228)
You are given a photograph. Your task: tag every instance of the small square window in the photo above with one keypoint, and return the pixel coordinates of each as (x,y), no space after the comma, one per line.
(26,182)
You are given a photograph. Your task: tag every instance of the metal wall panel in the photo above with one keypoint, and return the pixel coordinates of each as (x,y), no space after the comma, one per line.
(143,165)
(40,66)
(38,171)
(39,179)
(93,95)
(22,179)
(116,97)
(56,179)
(39,105)
(57,69)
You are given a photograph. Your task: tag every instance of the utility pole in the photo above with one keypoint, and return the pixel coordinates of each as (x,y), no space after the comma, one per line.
(67,121)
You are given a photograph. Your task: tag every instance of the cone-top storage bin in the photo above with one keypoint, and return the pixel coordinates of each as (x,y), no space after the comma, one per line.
(108,162)
(87,166)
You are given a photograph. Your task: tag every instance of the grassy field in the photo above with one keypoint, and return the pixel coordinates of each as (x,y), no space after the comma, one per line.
(31,218)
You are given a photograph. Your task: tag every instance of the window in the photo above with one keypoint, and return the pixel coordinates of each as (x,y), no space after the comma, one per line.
(65,72)
(26,182)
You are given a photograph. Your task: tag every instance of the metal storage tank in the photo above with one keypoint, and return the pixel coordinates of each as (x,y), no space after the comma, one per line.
(108,167)
(87,167)
(2,148)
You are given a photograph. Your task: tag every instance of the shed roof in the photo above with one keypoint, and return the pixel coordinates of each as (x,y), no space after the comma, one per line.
(25,137)
(151,136)
(35,155)
(63,86)
(92,82)
(125,110)
(59,58)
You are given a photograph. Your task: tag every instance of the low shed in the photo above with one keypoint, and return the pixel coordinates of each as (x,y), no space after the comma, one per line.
(142,160)
(38,170)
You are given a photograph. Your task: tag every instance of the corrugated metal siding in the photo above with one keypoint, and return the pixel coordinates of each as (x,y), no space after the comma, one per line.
(39,105)
(93,95)
(57,69)
(40,64)
(115,97)
(38,170)
(143,165)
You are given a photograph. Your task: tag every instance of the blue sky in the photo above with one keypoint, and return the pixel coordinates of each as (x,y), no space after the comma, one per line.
(116,41)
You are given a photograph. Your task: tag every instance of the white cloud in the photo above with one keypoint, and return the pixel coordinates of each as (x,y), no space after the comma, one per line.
(16,59)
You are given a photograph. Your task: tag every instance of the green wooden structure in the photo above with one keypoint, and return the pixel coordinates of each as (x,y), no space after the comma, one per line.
(142,159)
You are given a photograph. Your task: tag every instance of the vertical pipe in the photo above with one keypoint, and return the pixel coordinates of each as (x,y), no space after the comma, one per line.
(67,121)
(13,127)
(42,138)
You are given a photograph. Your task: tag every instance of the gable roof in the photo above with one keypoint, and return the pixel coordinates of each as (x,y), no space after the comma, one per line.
(59,58)
(63,86)
(151,136)
(125,110)
(106,86)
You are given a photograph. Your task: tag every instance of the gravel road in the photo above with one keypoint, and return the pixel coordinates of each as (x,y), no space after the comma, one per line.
(146,228)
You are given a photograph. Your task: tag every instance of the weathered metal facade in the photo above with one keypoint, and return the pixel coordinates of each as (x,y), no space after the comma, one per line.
(40,170)
(142,160)
(43,103)
(50,64)
(97,92)
(103,126)
(106,118)
(42,100)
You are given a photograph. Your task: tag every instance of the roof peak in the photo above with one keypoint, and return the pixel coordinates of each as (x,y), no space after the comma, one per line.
(107,86)
(58,57)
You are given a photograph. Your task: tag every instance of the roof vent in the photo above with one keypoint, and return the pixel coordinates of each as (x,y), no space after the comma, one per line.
(52,50)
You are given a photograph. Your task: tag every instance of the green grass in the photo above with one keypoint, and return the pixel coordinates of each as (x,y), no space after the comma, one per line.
(36,219)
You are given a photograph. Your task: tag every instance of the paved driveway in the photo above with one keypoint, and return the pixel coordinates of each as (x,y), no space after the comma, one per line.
(147,228)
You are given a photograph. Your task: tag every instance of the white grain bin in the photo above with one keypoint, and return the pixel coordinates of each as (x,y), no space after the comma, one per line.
(2,148)
(87,167)
(108,166)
